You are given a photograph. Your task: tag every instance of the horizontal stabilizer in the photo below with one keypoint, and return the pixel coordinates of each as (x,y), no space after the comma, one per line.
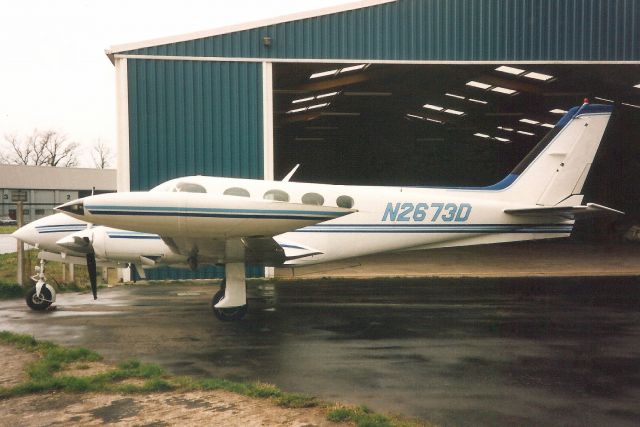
(570,212)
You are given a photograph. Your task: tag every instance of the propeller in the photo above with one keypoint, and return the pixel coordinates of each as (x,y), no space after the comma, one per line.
(93,274)
(83,242)
(91,267)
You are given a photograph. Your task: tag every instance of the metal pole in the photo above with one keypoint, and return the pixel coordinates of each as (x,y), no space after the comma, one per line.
(20,249)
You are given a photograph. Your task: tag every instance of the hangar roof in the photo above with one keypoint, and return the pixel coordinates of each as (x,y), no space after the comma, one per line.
(422,30)
(244,26)
(50,178)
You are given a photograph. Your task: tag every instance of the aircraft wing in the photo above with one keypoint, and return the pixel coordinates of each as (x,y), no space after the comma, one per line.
(569,212)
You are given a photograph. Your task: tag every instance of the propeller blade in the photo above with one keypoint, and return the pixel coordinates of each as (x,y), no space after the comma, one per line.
(93,275)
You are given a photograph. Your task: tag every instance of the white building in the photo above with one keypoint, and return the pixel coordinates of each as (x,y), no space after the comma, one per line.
(47,187)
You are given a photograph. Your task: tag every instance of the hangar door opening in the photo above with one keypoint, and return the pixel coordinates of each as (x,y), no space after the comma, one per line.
(449,125)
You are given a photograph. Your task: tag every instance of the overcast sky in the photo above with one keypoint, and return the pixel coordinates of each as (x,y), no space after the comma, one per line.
(54,73)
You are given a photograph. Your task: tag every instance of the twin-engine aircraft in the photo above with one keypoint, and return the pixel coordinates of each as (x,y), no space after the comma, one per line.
(233,222)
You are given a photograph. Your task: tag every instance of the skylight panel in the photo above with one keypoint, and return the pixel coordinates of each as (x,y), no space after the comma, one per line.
(313,107)
(433,107)
(510,70)
(325,95)
(324,74)
(538,76)
(503,90)
(479,85)
(353,68)
(296,101)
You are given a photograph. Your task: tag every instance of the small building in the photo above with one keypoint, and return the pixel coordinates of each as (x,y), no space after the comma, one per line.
(47,187)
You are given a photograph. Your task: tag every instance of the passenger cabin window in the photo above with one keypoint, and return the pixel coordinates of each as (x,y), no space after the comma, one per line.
(278,195)
(345,202)
(188,187)
(313,199)
(236,191)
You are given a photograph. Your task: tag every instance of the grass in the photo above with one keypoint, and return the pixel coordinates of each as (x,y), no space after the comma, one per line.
(53,359)
(8,229)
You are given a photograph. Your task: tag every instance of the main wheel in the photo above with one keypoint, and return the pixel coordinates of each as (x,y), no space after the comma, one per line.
(41,302)
(227,314)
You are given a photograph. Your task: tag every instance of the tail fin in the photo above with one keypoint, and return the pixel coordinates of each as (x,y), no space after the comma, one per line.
(557,167)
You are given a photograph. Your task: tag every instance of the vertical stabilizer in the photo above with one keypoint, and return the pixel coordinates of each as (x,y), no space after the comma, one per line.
(557,167)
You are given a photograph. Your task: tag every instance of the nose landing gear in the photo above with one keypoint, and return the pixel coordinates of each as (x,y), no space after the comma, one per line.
(42,295)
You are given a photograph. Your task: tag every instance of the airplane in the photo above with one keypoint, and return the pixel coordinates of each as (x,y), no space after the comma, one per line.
(232,222)
(65,239)
(62,238)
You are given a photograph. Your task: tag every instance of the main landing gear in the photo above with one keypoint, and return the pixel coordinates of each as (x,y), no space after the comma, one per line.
(227,314)
(230,302)
(41,295)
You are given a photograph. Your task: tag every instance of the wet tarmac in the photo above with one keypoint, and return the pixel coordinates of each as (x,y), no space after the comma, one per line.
(455,352)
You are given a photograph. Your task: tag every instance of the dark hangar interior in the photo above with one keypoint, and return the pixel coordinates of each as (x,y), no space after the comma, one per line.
(449,125)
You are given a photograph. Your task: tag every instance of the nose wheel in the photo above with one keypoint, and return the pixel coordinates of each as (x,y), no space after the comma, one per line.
(39,301)
(42,295)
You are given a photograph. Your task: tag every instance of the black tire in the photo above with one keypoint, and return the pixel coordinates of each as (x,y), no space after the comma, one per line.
(38,303)
(227,314)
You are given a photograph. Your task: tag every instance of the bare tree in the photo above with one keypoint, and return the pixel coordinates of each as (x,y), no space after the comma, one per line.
(101,155)
(41,148)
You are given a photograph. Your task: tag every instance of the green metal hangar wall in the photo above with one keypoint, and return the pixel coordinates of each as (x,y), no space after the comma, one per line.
(395,92)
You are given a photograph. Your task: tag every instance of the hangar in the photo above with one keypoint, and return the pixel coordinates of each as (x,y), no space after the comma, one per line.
(398,92)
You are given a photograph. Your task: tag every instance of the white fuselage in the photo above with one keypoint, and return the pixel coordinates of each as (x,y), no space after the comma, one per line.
(385,218)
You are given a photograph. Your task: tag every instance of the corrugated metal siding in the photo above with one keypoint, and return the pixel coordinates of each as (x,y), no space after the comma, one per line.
(442,30)
(189,118)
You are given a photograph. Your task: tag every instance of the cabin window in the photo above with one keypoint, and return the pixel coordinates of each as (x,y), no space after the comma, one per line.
(188,187)
(236,191)
(278,195)
(345,202)
(313,199)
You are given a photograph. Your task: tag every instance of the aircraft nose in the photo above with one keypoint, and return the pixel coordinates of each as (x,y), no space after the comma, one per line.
(26,233)
(75,208)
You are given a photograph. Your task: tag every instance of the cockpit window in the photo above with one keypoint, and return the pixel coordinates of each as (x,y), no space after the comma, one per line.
(236,191)
(278,195)
(189,187)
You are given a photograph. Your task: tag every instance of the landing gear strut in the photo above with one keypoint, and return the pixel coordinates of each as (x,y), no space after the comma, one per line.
(42,295)
(226,314)
(230,302)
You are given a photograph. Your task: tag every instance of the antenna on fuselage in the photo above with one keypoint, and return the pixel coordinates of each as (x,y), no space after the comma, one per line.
(290,174)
